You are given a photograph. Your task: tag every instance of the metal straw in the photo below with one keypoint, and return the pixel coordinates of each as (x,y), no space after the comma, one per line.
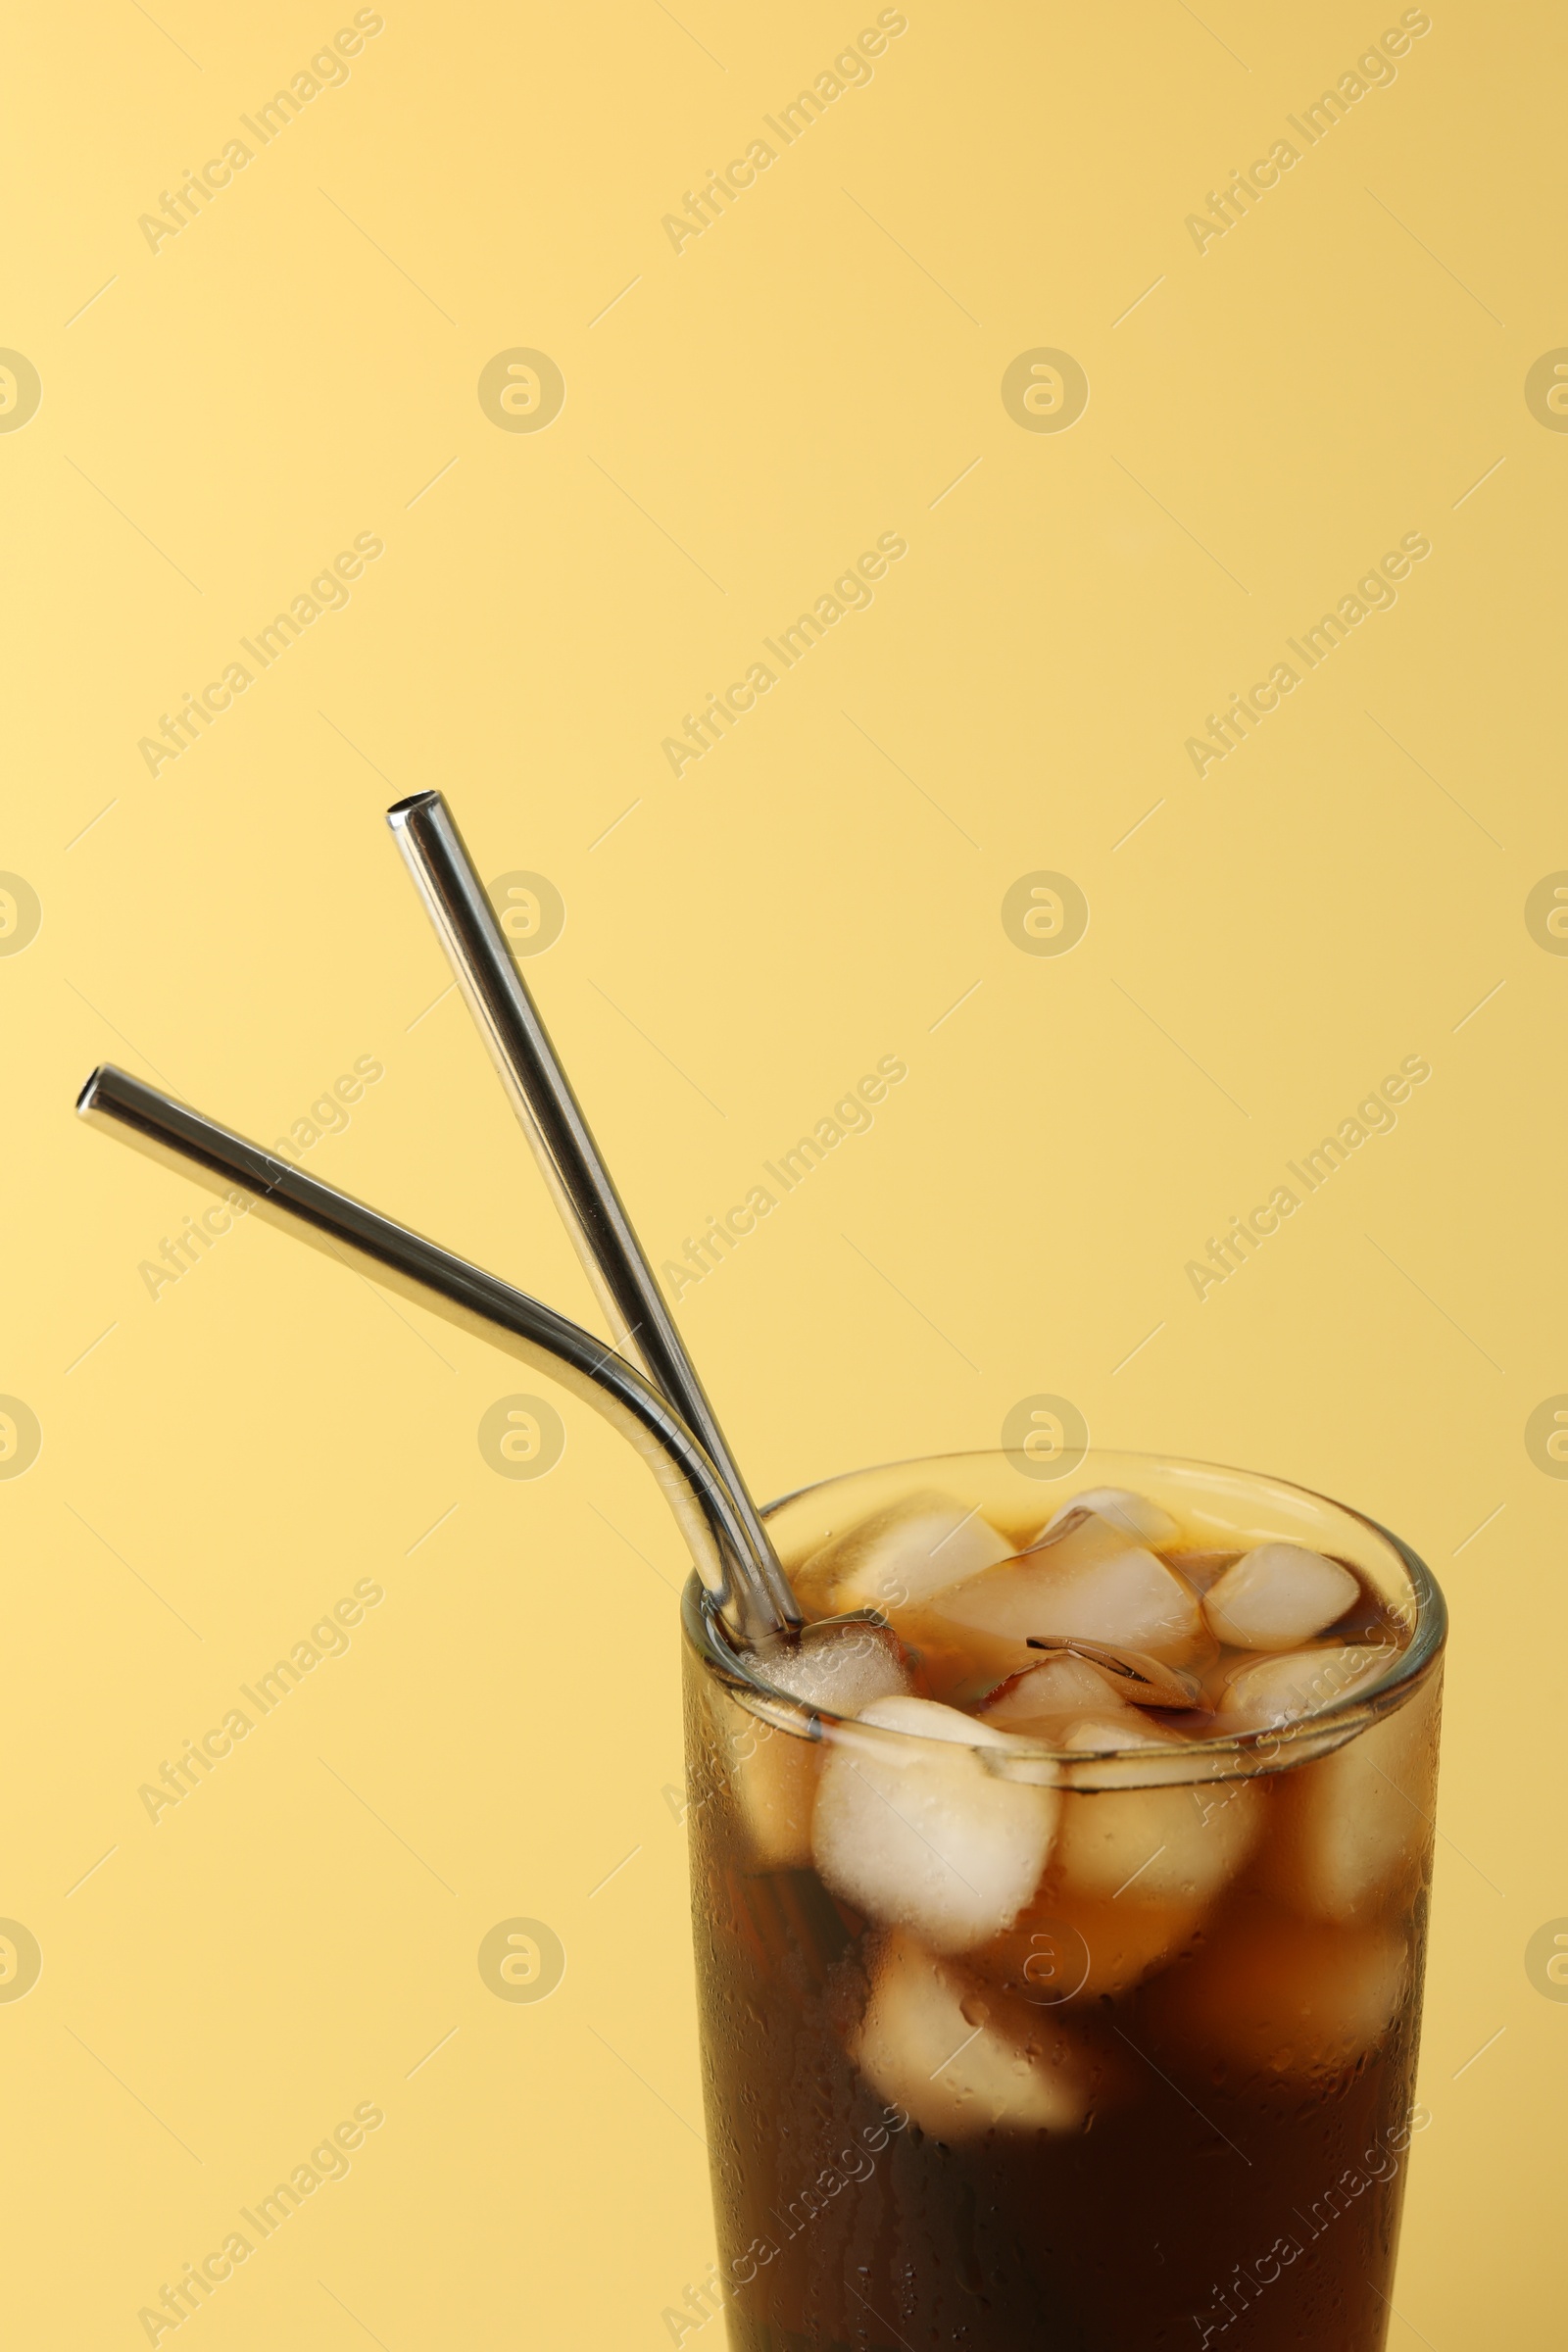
(477,1301)
(552,1118)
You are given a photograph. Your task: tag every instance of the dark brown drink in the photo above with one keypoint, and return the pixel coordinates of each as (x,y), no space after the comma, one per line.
(1036,2013)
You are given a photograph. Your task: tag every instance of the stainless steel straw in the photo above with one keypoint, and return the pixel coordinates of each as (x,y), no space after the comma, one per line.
(468,1296)
(552,1118)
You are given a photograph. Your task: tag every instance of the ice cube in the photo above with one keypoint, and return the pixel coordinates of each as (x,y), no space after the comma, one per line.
(775,1772)
(1353,1829)
(1276,1997)
(916,1832)
(1042,1700)
(839,1666)
(960,2058)
(1133,1513)
(1291,1684)
(1278,1596)
(900,1555)
(1171,1844)
(1090,1582)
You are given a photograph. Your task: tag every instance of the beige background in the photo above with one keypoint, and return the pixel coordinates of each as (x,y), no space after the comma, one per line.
(822,365)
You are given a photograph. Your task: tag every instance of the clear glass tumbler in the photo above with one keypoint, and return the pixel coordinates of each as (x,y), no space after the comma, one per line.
(1156,2091)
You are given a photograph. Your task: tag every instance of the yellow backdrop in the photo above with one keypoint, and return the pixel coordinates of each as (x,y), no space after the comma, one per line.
(466,400)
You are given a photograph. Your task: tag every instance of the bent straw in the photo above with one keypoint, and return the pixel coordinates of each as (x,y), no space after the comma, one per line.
(552,1118)
(404,1261)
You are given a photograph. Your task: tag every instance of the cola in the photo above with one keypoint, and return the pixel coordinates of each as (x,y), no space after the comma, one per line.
(1061,1990)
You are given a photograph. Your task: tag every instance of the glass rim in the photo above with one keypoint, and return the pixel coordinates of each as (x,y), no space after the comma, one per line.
(1318,1733)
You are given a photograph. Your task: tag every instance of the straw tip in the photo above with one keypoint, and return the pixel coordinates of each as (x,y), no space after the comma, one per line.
(398,816)
(87,1100)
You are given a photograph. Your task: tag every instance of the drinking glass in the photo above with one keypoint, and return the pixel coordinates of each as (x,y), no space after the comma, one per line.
(1168,2102)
